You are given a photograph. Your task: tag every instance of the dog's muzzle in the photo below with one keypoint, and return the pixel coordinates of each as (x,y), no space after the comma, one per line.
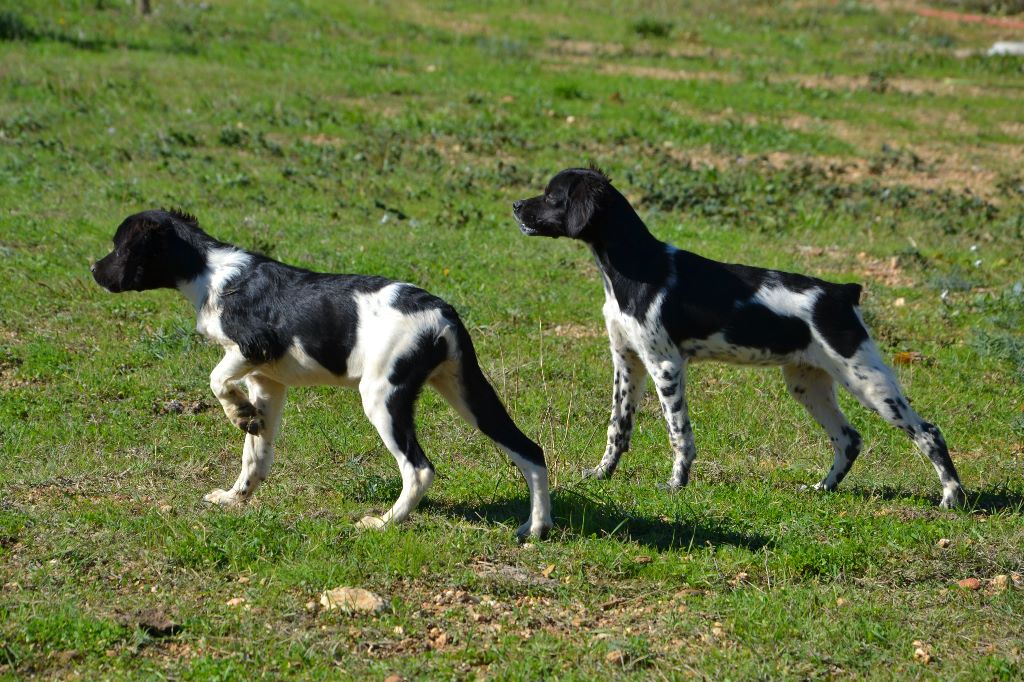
(103,280)
(528,231)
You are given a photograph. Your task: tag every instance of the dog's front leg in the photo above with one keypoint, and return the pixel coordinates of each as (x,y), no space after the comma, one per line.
(258,454)
(627,390)
(224,383)
(669,374)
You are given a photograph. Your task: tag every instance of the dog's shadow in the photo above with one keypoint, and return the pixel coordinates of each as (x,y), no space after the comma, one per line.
(989,499)
(577,514)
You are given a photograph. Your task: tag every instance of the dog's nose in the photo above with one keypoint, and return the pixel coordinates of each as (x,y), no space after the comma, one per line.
(92,268)
(516,205)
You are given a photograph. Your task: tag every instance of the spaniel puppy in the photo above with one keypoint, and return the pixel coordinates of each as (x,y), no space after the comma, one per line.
(665,307)
(283,326)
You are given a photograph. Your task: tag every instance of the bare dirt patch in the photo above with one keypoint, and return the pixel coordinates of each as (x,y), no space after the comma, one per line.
(726,114)
(587,48)
(888,271)
(8,379)
(95,488)
(463,25)
(447,619)
(571,330)
(940,165)
(641,71)
(941,120)
(507,573)
(171,651)
(322,140)
(934,168)
(905,86)
(934,171)
(1015,128)
(581,52)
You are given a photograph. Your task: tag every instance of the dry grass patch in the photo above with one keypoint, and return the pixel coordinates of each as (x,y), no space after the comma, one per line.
(589,48)
(571,330)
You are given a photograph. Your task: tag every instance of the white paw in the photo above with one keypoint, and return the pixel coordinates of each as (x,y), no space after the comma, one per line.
(224,498)
(599,473)
(370,523)
(537,531)
(954,498)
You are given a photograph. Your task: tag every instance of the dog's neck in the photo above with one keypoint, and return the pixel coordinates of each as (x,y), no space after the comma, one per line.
(222,262)
(624,248)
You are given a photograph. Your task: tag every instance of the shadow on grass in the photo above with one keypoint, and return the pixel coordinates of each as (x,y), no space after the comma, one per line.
(14,28)
(991,499)
(577,514)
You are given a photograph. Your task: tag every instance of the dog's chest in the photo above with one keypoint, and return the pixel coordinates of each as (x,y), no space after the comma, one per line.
(204,291)
(208,324)
(647,337)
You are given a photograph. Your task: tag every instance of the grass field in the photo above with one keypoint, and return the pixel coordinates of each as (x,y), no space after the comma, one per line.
(854,140)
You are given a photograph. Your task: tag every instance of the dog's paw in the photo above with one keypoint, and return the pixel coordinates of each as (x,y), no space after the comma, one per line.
(251,425)
(819,487)
(953,498)
(598,473)
(533,531)
(371,523)
(224,498)
(677,481)
(247,417)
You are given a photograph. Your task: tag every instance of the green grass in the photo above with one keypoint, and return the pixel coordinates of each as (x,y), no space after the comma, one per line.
(846,141)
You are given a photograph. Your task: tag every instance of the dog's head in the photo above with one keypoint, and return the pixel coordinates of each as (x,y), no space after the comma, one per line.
(568,206)
(152,250)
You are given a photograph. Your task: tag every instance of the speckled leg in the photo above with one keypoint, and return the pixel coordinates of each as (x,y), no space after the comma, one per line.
(871,381)
(627,390)
(814,389)
(669,375)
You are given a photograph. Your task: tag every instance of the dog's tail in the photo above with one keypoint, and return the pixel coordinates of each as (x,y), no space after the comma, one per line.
(478,401)
(463,384)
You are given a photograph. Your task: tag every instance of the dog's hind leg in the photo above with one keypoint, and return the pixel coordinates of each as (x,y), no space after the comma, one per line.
(463,384)
(477,403)
(872,382)
(814,389)
(628,387)
(389,403)
(258,453)
(390,410)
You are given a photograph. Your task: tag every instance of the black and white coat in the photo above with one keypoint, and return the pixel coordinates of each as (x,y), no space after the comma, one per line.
(283,326)
(665,307)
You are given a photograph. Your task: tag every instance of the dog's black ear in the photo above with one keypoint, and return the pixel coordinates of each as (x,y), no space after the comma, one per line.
(584,200)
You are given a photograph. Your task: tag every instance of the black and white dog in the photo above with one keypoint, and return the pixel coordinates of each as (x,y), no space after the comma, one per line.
(283,326)
(665,307)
